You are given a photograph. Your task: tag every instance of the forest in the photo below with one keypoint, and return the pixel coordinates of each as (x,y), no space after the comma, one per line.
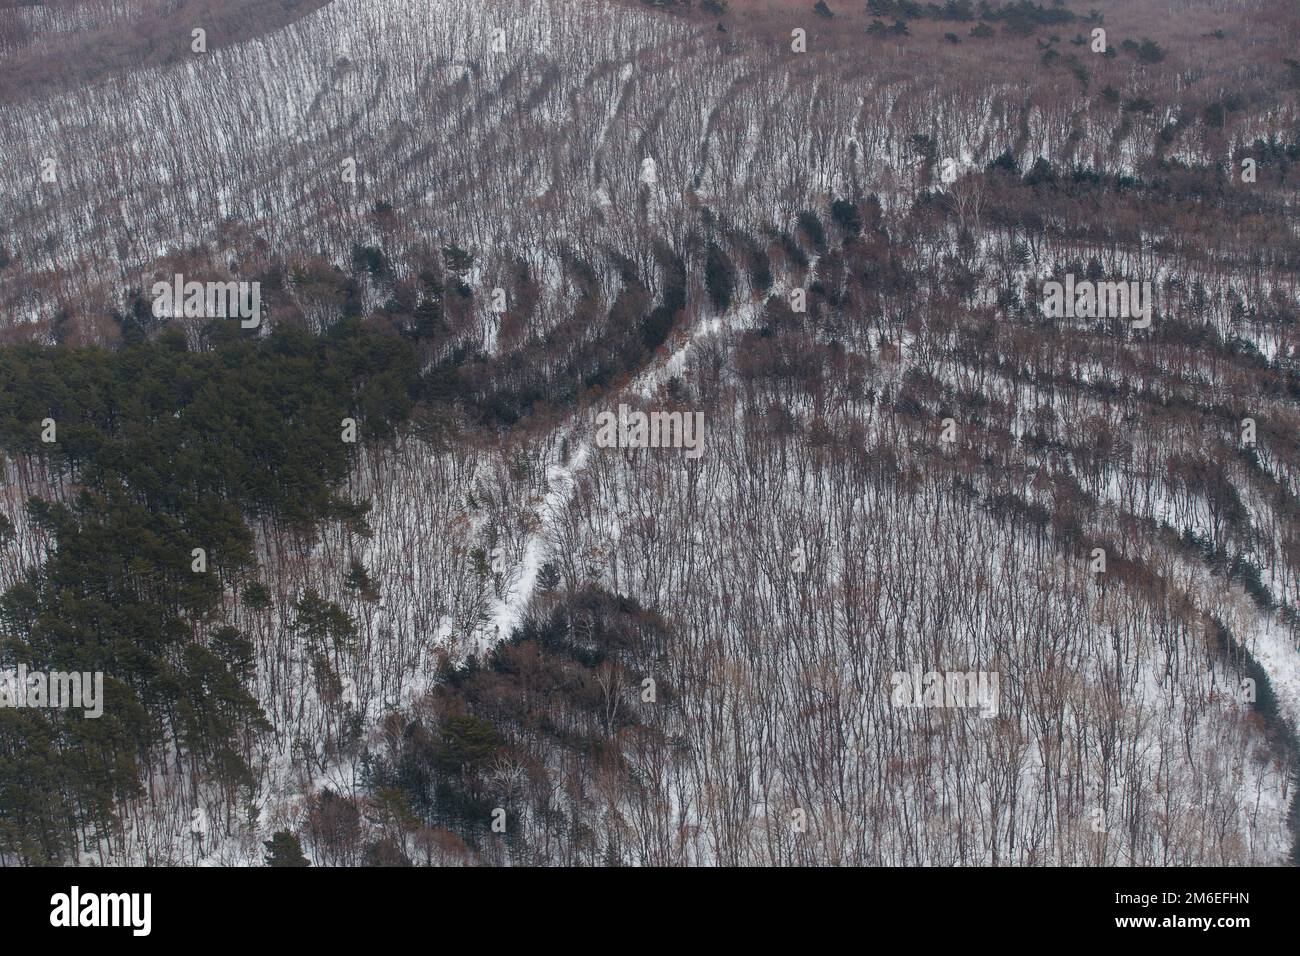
(367,587)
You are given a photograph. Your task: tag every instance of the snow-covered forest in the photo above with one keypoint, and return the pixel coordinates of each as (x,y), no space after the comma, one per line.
(368,587)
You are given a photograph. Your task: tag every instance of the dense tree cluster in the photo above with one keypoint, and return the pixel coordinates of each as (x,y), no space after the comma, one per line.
(168,451)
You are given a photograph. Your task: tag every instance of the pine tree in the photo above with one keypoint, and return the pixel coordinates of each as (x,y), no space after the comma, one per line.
(284,849)
(548,577)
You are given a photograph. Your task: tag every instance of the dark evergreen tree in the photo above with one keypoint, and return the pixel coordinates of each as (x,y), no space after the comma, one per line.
(284,849)
(719,277)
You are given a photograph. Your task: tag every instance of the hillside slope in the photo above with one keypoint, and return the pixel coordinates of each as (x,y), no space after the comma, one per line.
(479,228)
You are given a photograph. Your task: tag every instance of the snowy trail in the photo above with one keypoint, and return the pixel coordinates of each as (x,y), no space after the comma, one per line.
(561,479)
(508,611)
